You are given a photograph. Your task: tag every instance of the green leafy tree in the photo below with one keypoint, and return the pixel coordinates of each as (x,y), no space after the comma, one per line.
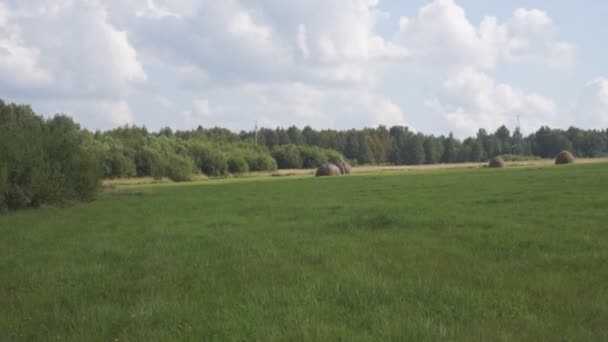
(237,165)
(288,157)
(433,150)
(517,142)
(295,136)
(505,140)
(415,148)
(450,150)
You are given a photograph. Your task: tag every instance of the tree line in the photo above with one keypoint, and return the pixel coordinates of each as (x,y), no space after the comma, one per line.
(50,160)
(399,145)
(54,160)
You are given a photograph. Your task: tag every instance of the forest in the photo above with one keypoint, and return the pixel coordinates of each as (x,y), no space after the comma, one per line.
(55,160)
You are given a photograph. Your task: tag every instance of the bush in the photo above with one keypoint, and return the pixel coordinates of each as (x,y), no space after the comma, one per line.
(288,157)
(117,165)
(313,157)
(143,159)
(261,162)
(214,163)
(44,161)
(87,181)
(17,198)
(208,159)
(237,165)
(333,156)
(309,157)
(78,169)
(179,168)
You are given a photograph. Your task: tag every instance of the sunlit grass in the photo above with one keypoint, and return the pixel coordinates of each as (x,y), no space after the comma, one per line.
(479,254)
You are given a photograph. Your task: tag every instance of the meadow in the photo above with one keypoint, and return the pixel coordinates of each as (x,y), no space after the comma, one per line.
(469,254)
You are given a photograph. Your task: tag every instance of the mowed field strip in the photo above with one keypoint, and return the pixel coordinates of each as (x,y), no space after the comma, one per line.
(448,254)
(366,169)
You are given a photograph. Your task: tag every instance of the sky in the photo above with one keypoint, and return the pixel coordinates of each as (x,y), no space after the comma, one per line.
(436,66)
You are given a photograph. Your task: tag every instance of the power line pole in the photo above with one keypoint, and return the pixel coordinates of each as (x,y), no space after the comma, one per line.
(518,122)
(256,132)
(518,137)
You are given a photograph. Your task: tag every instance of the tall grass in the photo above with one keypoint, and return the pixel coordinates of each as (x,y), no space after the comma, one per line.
(511,254)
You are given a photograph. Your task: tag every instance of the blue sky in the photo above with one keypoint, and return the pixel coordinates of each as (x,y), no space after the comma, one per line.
(433,65)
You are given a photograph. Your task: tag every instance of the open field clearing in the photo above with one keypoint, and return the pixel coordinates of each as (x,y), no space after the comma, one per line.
(357,170)
(465,254)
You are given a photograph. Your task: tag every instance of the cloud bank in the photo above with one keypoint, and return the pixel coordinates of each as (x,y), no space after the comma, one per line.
(322,63)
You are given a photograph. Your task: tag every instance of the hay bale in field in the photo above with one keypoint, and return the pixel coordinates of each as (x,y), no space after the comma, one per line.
(497,163)
(327,169)
(344,167)
(564,157)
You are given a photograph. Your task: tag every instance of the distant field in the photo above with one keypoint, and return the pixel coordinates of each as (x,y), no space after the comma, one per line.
(362,169)
(462,254)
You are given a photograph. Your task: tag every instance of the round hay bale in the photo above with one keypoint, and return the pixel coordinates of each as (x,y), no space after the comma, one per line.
(564,157)
(344,167)
(497,163)
(327,169)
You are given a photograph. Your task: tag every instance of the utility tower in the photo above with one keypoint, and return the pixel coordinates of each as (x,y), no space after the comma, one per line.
(518,138)
(256,132)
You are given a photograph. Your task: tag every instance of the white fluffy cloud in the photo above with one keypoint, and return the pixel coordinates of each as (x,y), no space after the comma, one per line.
(229,63)
(295,101)
(203,112)
(19,63)
(116,113)
(92,114)
(285,104)
(287,57)
(442,36)
(68,52)
(442,33)
(384,111)
(532,36)
(592,108)
(471,99)
(69,47)
(266,41)
(223,41)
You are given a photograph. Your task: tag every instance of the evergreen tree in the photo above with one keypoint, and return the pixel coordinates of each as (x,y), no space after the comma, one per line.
(295,136)
(517,142)
(450,154)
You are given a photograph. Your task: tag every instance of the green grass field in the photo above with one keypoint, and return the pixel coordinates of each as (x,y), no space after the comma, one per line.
(483,255)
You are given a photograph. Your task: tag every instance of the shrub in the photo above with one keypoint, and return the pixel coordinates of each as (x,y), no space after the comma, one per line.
(117,165)
(78,165)
(17,198)
(145,160)
(179,168)
(209,159)
(44,161)
(313,157)
(237,164)
(288,157)
(261,162)
(214,163)
(86,181)
(334,156)
(298,156)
